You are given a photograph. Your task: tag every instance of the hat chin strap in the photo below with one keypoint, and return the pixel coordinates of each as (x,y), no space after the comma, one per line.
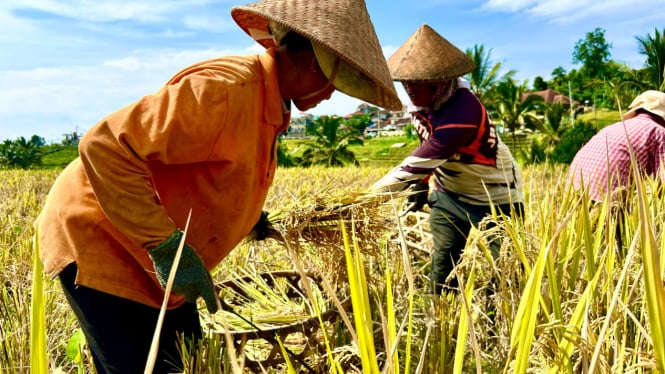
(326,87)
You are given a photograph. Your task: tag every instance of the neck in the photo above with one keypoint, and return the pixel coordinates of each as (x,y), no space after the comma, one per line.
(324,88)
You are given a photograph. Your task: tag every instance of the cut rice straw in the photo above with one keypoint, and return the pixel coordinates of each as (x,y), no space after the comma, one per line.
(154,347)
(316,224)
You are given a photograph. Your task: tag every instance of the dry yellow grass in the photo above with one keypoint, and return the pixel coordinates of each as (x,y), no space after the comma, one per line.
(585,298)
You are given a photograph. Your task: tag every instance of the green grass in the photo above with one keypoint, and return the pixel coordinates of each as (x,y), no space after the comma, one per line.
(381,150)
(374,152)
(57,156)
(601,117)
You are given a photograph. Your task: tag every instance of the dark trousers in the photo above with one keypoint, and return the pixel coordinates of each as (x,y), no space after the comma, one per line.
(119,331)
(450,222)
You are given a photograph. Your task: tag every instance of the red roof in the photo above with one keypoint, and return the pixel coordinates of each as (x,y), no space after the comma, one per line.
(550,96)
(356,113)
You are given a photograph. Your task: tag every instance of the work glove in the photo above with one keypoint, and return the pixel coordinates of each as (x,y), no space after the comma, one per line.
(262,228)
(418,197)
(192,279)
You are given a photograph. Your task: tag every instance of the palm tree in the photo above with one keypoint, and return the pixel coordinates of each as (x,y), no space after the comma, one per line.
(621,85)
(21,153)
(332,137)
(653,47)
(359,122)
(511,110)
(485,76)
(554,125)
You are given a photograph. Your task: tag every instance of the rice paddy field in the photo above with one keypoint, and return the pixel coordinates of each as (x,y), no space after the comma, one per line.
(340,287)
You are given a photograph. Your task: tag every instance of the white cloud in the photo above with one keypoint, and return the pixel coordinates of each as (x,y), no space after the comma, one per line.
(388,50)
(56,73)
(51,101)
(508,5)
(126,63)
(567,11)
(211,23)
(101,10)
(343,104)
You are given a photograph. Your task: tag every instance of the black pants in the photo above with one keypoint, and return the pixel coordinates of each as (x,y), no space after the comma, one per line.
(119,331)
(451,221)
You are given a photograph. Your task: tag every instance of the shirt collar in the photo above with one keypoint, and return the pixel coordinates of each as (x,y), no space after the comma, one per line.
(274,108)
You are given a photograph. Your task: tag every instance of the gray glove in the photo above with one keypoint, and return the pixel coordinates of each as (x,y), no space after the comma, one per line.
(192,279)
(418,197)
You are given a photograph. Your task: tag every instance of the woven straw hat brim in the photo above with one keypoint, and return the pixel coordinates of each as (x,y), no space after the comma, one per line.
(652,101)
(341,26)
(427,56)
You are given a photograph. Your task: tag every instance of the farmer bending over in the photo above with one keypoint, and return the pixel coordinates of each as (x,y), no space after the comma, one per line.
(605,159)
(471,168)
(205,141)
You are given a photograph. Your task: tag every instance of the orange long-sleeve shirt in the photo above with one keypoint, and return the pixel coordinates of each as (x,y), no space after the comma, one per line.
(205,141)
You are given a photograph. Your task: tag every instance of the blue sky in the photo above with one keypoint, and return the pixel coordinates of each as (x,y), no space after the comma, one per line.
(64,65)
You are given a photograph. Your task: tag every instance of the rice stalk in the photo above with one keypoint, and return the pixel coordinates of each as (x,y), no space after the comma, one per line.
(463,325)
(608,319)
(588,241)
(523,332)
(267,301)
(335,366)
(574,326)
(391,325)
(38,352)
(361,308)
(316,223)
(289,366)
(411,288)
(653,281)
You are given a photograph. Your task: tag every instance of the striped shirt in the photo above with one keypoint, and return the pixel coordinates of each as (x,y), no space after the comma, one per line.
(461,150)
(607,156)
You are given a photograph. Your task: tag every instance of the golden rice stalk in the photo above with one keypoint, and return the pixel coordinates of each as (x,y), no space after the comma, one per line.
(522,336)
(361,306)
(289,365)
(653,280)
(465,322)
(314,224)
(574,325)
(154,346)
(38,352)
(266,305)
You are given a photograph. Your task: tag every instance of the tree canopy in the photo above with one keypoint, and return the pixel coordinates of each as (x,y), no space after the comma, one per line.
(593,52)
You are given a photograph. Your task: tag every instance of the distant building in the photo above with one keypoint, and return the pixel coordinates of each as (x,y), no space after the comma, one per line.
(366,109)
(387,122)
(298,125)
(383,122)
(71,139)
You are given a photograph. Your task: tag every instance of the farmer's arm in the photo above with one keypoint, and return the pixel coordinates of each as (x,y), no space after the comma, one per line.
(442,144)
(172,126)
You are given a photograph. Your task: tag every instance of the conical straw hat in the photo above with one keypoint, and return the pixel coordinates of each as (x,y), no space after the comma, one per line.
(428,56)
(336,28)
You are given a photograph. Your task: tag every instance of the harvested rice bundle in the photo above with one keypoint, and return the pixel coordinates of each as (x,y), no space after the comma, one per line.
(268,300)
(315,225)
(260,310)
